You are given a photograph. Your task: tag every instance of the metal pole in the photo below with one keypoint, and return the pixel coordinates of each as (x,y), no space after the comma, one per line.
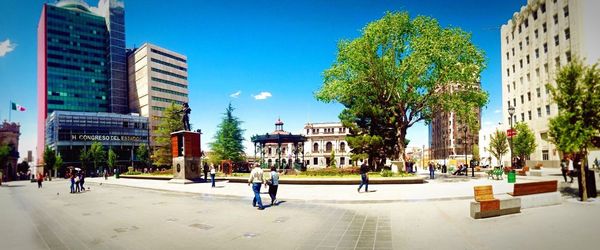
(466,164)
(511,141)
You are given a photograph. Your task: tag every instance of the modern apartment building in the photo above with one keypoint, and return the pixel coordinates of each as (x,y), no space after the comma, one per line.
(541,37)
(157,78)
(323,139)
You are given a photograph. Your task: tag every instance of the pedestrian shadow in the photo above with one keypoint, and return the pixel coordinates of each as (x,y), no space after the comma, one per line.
(371,191)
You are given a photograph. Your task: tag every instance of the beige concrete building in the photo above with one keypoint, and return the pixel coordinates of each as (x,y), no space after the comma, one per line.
(323,138)
(448,138)
(541,37)
(157,78)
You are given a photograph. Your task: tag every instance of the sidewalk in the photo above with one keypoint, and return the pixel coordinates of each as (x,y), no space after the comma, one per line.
(441,188)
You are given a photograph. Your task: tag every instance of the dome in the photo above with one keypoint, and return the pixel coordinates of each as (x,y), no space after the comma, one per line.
(78,5)
(278,122)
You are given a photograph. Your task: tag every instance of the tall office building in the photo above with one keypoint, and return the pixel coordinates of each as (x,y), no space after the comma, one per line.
(451,139)
(541,37)
(82,68)
(157,78)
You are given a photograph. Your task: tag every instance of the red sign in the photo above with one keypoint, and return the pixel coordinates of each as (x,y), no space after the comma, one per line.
(511,132)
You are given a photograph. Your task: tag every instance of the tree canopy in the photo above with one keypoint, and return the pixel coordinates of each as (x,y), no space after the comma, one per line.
(524,142)
(143,155)
(401,71)
(170,122)
(227,144)
(577,95)
(49,159)
(498,145)
(97,154)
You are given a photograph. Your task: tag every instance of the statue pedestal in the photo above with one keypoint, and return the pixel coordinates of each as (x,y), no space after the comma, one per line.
(397,166)
(185,148)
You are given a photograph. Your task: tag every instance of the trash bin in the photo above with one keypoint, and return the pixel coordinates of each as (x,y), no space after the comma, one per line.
(512,177)
(590,180)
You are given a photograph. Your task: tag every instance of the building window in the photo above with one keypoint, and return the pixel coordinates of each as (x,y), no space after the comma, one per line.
(342,147)
(535,32)
(315,147)
(328,147)
(537,72)
(538,92)
(315,161)
(535,15)
(544,27)
(506,39)
(567,34)
(526,23)
(520,45)
(527,57)
(546,68)
(514,102)
(522,99)
(507,56)
(514,85)
(547,110)
(529,114)
(513,51)
(528,78)
(521,63)
(537,53)
(507,72)
(526,40)
(568,55)
(520,29)
(508,87)
(513,66)
(555,17)
(528,96)
(545,155)
(557,62)
(539,111)
(556,40)
(566,11)
(342,161)
(522,117)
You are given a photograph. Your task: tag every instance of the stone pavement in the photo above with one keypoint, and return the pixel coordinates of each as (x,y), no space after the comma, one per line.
(441,188)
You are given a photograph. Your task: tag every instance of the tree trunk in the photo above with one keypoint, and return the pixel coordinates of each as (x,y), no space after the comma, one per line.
(401,133)
(582,172)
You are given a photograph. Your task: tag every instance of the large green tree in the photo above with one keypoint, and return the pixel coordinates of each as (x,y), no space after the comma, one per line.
(49,160)
(524,142)
(58,164)
(97,154)
(402,71)
(498,145)
(85,158)
(227,144)
(577,95)
(169,123)
(111,160)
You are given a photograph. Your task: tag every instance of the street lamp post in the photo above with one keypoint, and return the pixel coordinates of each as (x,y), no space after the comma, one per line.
(511,111)
(466,161)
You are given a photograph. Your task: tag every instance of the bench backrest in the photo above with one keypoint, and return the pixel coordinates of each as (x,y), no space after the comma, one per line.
(483,193)
(535,187)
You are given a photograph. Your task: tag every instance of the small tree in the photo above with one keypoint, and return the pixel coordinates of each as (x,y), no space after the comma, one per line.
(58,164)
(49,159)
(577,95)
(498,145)
(475,151)
(143,155)
(169,123)
(228,141)
(97,154)
(332,162)
(524,142)
(85,158)
(112,158)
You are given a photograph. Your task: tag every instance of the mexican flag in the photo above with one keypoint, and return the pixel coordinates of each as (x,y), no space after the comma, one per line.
(17,107)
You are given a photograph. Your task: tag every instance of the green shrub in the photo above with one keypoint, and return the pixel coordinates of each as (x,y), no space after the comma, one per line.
(332,171)
(387,173)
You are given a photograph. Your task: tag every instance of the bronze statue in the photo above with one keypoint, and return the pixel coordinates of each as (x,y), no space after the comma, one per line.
(185,118)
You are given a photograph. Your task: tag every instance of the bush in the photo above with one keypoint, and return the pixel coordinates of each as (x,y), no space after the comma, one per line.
(387,173)
(133,173)
(332,171)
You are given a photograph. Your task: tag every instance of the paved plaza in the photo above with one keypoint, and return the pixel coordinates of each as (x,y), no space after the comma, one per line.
(112,215)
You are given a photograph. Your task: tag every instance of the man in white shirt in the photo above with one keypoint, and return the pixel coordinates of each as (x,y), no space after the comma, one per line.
(256,179)
(570,168)
(213,172)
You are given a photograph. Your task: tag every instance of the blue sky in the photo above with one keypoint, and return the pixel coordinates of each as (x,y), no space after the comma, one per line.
(279,47)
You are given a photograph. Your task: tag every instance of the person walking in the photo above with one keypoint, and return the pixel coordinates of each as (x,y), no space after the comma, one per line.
(273,182)
(364,178)
(82,180)
(256,180)
(213,172)
(72,177)
(570,168)
(77,183)
(563,168)
(205,170)
(105,174)
(40,179)
(431,171)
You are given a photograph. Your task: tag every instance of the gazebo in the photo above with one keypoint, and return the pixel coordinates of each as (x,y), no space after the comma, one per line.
(278,138)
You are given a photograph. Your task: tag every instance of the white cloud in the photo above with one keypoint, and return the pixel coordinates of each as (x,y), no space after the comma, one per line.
(487,123)
(6,47)
(497,111)
(236,94)
(263,95)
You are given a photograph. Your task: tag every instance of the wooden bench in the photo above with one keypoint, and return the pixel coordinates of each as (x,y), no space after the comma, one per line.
(486,205)
(523,172)
(537,194)
(534,188)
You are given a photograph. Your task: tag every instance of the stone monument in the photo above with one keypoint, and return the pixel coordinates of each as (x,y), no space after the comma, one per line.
(185,148)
